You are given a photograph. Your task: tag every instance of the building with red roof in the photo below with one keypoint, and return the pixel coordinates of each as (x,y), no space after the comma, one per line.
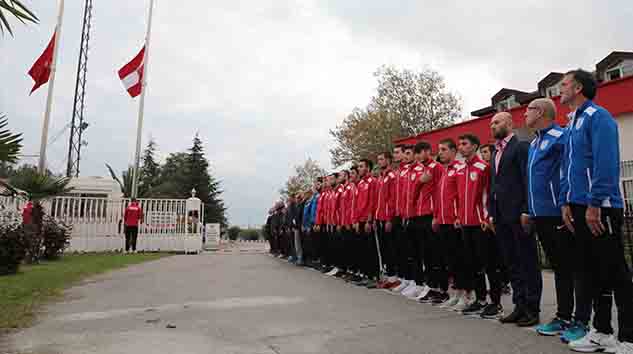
(615,93)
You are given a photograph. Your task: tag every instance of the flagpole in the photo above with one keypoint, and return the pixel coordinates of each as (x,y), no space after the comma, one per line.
(51,84)
(139,126)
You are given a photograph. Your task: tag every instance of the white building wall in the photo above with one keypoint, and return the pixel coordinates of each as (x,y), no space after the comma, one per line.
(625,126)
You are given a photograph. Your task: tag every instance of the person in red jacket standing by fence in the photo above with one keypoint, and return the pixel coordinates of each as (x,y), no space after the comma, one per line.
(132,217)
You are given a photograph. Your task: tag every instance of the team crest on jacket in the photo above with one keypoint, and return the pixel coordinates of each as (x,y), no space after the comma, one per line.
(579,122)
(473,176)
(413,177)
(544,144)
(403,173)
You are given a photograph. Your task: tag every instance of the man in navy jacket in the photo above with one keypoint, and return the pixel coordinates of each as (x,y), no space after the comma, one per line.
(592,208)
(509,215)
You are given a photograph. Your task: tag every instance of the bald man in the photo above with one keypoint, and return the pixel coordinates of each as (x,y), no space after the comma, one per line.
(544,157)
(509,217)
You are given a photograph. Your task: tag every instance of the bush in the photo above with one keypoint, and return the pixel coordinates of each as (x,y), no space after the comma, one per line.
(234,232)
(33,243)
(55,237)
(250,235)
(12,247)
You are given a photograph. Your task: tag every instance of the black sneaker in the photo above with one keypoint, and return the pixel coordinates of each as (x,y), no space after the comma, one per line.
(428,298)
(440,298)
(475,308)
(326,269)
(492,311)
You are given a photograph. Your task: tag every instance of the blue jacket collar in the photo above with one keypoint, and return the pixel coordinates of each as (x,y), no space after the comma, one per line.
(584,106)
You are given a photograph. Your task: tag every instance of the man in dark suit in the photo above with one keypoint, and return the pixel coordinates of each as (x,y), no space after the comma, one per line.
(510,219)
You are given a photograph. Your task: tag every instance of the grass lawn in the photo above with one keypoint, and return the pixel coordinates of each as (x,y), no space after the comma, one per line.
(22,294)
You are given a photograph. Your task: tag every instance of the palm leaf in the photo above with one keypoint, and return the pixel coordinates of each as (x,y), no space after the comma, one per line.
(126,184)
(10,144)
(18,10)
(39,186)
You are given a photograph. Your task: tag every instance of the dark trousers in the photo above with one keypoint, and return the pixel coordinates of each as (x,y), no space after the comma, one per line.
(435,256)
(401,247)
(520,256)
(387,249)
(480,259)
(417,231)
(131,235)
(604,272)
(369,262)
(451,251)
(558,244)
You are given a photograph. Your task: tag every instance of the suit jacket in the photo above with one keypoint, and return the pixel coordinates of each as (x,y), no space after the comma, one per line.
(508,186)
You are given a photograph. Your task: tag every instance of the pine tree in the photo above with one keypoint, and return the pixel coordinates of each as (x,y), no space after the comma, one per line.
(150,171)
(207,187)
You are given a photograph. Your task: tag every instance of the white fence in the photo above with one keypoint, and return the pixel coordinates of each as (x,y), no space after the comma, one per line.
(169,225)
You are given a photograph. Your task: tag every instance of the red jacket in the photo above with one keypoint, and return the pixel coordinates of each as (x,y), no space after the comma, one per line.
(346,209)
(445,209)
(473,182)
(401,189)
(414,186)
(320,213)
(27,213)
(337,211)
(133,215)
(329,196)
(427,199)
(386,203)
(365,204)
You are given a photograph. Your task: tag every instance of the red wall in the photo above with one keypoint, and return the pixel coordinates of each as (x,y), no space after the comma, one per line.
(616,96)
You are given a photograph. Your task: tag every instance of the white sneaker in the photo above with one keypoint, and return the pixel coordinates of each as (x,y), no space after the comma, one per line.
(452,301)
(463,302)
(402,286)
(413,294)
(625,348)
(595,342)
(409,288)
(332,272)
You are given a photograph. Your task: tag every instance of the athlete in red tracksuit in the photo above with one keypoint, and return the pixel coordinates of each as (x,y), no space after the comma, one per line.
(473,183)
(320,225)
(444,215)
(345,215)
(385,212)
(337,237)
(365,209)
(432,243)
(405,152)
(420,217)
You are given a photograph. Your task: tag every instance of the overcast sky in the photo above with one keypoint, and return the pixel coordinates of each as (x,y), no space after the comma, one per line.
(263,81)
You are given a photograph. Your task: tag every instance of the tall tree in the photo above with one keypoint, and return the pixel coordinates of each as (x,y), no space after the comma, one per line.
(406,103)
(17,10)
(303,178)
(150,171)
(207,188)
(172,178)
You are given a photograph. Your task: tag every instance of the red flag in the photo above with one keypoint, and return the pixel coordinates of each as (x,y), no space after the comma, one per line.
(41,69)
(132,74)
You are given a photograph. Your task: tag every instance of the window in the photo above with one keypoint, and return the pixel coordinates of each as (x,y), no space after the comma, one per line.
(507,104)
(553,91)
(614,74)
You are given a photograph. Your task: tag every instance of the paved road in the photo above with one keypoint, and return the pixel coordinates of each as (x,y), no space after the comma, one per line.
(245,302)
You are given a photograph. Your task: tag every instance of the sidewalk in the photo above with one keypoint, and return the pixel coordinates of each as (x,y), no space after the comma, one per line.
(239,303)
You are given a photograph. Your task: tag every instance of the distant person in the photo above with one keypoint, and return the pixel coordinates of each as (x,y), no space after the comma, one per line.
(133,217)
(27,213)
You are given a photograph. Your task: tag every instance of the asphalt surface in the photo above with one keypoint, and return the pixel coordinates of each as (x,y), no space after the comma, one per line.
(245,301)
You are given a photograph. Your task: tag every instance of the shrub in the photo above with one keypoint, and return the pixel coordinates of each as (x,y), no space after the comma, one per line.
(33,243)
(55,237)
(12,247)
(249,234)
